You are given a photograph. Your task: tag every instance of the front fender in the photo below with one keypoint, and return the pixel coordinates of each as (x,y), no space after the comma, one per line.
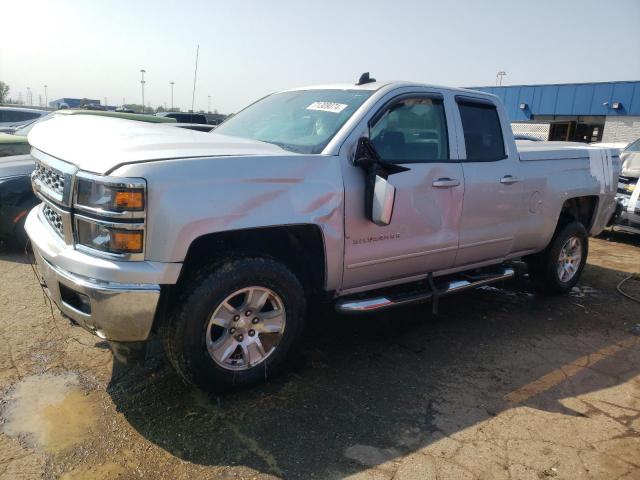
(189,198)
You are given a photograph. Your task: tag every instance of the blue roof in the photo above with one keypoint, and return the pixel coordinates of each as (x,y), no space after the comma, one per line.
(569,99)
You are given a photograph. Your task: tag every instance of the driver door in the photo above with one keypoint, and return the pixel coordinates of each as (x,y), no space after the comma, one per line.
(422,237)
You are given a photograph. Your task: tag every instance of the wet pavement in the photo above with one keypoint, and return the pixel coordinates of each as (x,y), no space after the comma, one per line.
(502,384)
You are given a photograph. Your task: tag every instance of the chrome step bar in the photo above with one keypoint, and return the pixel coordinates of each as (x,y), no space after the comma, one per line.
(384,302)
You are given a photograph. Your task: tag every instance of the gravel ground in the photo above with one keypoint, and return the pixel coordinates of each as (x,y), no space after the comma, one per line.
(501,384)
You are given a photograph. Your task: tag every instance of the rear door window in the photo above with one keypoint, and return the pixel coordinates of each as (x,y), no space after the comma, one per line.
(482,131)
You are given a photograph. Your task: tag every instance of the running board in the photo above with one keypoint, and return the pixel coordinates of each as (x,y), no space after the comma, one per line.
(384,302)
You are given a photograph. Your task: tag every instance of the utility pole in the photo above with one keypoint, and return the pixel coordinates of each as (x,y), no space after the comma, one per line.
(209,104)
(172,84)
(142,82)
(195,74)
(499,76)
(29,96)
(46,98)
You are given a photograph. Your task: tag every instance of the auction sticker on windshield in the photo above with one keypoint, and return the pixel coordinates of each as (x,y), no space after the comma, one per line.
(327,107)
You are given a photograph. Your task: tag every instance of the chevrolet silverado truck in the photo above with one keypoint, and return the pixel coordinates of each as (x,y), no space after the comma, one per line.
(370,196)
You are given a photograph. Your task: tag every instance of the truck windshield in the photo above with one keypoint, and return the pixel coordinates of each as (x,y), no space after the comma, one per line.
(302,121)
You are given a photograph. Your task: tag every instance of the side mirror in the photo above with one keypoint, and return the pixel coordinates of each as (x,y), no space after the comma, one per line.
(379,193)
(384,195)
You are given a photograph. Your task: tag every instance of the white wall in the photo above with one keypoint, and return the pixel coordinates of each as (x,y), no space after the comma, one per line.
(535,129)
(621,129)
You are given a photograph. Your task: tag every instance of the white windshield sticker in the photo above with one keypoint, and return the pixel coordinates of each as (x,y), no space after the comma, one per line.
(327,107)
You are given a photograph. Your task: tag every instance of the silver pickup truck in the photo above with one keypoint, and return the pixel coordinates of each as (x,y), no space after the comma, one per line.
(370,196)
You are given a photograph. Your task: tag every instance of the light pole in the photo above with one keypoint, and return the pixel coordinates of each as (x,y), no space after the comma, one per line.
(499,76)
(172,84)
(46,98)
(142,82)
(209,104)
(29,97)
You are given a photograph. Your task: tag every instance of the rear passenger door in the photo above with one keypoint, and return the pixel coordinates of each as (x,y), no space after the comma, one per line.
(492,201)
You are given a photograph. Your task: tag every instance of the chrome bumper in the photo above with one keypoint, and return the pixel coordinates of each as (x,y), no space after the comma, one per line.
(627,217)
(113,311)
(99,301)
(627,222)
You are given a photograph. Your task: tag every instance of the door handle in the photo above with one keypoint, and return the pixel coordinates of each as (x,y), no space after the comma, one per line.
(508,180)
(446,182)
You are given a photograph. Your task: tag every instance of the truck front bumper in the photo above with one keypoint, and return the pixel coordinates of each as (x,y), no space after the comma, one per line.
(113,311)
(627,217)
(91,292)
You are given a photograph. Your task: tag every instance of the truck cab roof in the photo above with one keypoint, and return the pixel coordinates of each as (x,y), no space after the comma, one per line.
(389,85)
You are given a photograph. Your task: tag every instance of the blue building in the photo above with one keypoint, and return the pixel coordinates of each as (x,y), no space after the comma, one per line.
(73,102)
(582,112)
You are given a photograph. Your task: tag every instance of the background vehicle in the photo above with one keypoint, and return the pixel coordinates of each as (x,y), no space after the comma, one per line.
(16,194)
(200,127)
(370,196)
(184,117)
(16,198)
(12,144)
(12,117)
(627,217)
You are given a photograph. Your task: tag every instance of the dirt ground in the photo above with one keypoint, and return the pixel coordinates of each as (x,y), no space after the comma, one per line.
(502,384)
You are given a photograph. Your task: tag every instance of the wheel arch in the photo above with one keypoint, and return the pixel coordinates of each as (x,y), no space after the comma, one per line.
(300,247)
(581,209)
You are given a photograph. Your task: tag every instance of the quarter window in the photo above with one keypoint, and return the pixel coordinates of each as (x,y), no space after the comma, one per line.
(410,131)
(482,132)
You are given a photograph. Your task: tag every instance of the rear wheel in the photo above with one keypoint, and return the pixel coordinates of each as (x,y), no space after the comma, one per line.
(235,324)
(557,268)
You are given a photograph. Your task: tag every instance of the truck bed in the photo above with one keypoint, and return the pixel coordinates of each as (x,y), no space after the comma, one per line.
(532,151)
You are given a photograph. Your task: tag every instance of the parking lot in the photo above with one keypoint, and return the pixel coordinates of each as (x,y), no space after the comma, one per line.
(500,384)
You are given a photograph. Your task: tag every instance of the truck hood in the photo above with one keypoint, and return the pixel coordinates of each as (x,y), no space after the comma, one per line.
(100,144)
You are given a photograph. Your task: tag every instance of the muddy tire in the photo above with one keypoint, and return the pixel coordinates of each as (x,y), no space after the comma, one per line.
(558,267)
(235,324)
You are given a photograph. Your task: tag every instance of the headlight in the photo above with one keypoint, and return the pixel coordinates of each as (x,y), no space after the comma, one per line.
(119,239)
(109,197)
(110,215)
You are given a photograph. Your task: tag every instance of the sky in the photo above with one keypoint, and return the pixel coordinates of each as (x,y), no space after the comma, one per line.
(95,49)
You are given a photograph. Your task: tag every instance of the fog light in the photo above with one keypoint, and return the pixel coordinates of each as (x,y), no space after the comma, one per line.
(76,300)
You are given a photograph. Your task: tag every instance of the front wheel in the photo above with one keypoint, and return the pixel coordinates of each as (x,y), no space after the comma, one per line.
(235,324)
(558,267)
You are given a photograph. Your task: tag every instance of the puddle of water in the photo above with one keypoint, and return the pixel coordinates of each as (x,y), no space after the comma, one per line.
(50,411)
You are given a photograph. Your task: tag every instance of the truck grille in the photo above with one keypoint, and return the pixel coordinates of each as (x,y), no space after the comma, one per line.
(50,177)
(626,185)
(54,219)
